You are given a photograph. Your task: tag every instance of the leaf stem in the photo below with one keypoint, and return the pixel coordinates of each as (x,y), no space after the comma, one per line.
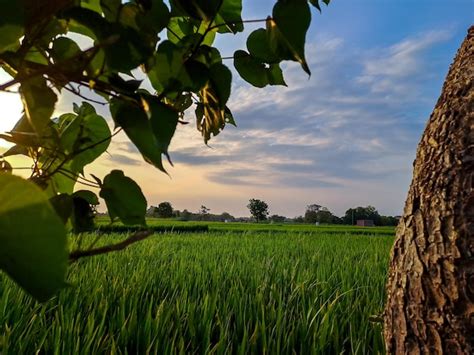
(138,236)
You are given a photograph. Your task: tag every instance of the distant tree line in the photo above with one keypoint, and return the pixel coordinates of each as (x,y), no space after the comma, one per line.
(165,210)
(259,211)
(320,214)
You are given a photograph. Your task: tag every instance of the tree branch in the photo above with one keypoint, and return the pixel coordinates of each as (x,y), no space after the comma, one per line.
(138,236)
(236,22)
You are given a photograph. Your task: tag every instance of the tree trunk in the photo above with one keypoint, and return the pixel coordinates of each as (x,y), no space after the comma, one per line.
(430,305)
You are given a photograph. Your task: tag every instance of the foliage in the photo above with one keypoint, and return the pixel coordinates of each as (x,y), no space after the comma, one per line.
(185,215)
(238,294)
(25,255)
(164,210)
(353,214)
(276,218)
(316,213)
(203,210)
(389,221)
(258,209)
(171,43)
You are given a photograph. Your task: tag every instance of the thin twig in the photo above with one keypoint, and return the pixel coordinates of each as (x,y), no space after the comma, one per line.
(138,236)
(173,33)
(236,23)
(78,93)
(62,172)
(78,178)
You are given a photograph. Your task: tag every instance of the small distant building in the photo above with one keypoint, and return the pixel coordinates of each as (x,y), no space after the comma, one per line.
(365,223)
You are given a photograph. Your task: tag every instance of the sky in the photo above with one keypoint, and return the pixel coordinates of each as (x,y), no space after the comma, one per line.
(344,137)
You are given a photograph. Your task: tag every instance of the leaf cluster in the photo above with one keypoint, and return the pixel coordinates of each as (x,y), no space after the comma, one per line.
(172,45)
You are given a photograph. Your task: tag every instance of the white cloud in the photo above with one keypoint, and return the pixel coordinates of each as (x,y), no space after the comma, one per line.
(390,69)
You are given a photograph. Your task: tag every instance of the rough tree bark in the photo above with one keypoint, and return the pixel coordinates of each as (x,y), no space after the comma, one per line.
(430,305)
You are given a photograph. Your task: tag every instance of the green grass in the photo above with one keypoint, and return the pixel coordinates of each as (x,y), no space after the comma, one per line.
(217,292)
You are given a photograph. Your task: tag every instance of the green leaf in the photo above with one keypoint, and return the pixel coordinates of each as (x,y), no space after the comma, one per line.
(221,79)
(182,102)
(86,137)
(124,198)
(116,38)
(259,47)
(16,150)
(5,167)
(87,195)
(39,101)
(181,29)
(275,75)
(229,117)
(111,8)
(225,14)
(208,56)
(32,237)
(286,36)
(62,204)
(11,24)
(63,181)
(37,55)
(82,218)
(163,119)
(64,48)
(250,69)
(93,5)
(84,110)
(134,121)
(209,36)
(257,73)
(157,17)
(178,28)
(199,9)
(229,18)
(168,72)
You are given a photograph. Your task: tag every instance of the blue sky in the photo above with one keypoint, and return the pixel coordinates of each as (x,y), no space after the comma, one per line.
(344,137)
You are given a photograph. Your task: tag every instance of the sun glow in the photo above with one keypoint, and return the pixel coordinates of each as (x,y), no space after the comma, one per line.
(10,109)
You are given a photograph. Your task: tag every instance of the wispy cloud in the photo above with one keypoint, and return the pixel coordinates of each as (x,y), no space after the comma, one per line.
(387,70)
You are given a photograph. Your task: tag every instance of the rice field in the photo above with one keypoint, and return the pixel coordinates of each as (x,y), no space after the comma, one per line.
(218,292)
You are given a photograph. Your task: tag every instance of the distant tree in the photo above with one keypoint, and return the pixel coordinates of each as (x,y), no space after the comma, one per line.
(325,216)
(311,214)
(388,221)
(185,215)
(316,213)
(336,220)
(276,218)
(311,217)
(151,211)
(258,209)
(225,216)
(298,219)
(353,214)
(164,210)
(204,210)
